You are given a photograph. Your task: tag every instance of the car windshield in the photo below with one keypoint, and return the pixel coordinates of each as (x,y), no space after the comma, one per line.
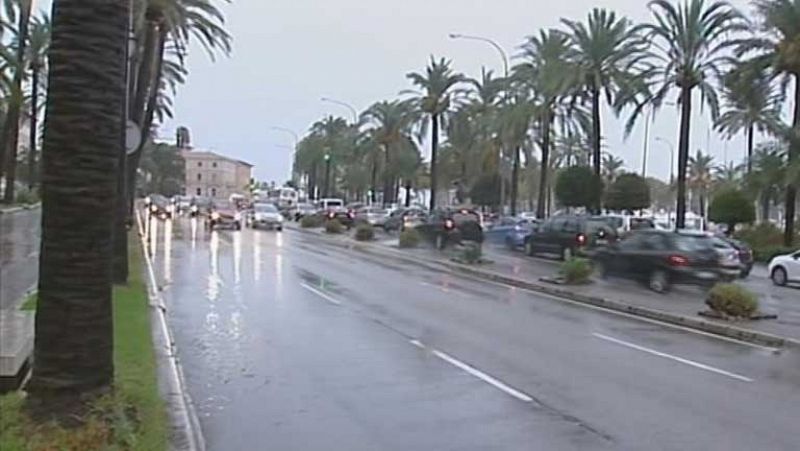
(265,208)
(376,211)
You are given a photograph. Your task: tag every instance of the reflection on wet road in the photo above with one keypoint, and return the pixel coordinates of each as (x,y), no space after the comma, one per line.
(290,344)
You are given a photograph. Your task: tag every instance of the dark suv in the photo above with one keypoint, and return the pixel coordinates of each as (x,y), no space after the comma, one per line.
(452,226)
(662,258)
(568,235)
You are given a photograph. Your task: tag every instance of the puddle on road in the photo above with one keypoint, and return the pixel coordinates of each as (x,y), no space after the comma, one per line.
(317,281)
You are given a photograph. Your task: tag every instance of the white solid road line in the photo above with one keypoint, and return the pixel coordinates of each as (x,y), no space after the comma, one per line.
(475,372)
(675,358)
(320,294)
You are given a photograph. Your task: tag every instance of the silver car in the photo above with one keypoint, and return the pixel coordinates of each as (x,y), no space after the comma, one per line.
(266,215)
(374,216)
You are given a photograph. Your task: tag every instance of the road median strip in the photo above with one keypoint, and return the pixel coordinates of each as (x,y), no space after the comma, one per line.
(715,328)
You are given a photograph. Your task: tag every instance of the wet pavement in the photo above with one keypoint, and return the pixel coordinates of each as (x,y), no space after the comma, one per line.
(288,343)
(19,255)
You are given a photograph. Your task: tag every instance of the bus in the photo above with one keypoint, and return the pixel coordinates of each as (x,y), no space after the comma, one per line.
(283,197)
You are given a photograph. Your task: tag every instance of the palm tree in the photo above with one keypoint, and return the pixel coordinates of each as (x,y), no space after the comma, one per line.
(699,177)
(606,50)
(688,43)
(776,50)
(74,332)
(9,133)
(548,75)
(391,123)
(611,167)
(37,60)
(436,85)
(515,118)
(751,103)
(767,178)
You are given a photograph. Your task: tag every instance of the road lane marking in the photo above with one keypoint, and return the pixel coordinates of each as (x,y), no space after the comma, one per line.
(475,372)
(672,357)
(320,294)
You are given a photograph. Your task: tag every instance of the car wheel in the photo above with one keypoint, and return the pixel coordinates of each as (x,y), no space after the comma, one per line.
(509,243)
(659,281)
(778,276)
(279,229)
(237,226)
(529,248)
(566,253)
(440,242)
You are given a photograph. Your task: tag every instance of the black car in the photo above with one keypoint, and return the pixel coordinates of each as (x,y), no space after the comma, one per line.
(159,206)
(663,258)
(568,235)
(452,226)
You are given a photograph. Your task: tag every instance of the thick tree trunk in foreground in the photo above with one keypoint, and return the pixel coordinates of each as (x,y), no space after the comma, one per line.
(74,331)
(683,155)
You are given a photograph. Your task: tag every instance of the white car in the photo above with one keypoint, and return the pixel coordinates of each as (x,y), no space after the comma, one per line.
(266,215)
(785,268)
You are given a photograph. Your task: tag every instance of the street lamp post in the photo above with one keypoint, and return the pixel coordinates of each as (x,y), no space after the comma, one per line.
(296,142)
(504,57)
(327,174)
(671,157)
(344,104)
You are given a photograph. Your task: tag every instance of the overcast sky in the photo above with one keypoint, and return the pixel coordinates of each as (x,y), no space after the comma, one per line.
(289,53)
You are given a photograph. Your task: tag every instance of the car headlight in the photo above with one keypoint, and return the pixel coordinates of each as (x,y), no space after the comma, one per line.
(237,216)
(215,215)
(194,208)
(153,208)
(280,218)
(170,208)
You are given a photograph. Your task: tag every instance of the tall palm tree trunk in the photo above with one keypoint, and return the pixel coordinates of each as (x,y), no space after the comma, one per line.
(541,205)
(10,131)
(373,179)
(515,182)
(765,201)
(388,183)
(33,125)
(794,152)
(750,148)
(683,155)
(595,129)
(434,148)
(74,331)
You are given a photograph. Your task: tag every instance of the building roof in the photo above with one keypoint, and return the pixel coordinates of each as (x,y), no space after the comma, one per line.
(208,154)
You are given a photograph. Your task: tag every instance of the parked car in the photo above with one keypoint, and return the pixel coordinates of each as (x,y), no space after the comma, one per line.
(516,236)
(266,215)
(182,204)
(663,258)
(785,268)
(405,217)
(743,251)
(495,231)
(452,226)
(224,214)
(375,216)
(200,206)
(569,235)
(623,224)
(302,209)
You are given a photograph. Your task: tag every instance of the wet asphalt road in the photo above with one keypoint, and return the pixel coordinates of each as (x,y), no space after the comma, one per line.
(288,344)
(19,255)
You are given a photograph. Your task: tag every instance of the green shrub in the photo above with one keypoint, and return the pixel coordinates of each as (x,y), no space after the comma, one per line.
(312,221)
(27,196)
(409,238)
(765,254)
(333,226)
(732,300)
(472,253)
(576,270)
(365,232)
(761,236)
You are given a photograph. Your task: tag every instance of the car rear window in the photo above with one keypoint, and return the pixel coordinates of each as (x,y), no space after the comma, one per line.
(689,243)
(461,217)
(334,203)
(265,208)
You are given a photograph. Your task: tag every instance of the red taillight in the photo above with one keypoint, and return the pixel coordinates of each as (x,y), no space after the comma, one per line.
(448,224)
(677,260)
(581,238)
(350,214)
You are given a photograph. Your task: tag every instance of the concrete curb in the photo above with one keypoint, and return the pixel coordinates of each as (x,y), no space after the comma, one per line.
(729,331)
(12,210)
(186,434)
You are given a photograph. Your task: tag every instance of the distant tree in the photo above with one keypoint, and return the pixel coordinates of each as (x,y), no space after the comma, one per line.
(579,186)
(731,207)
(486,191)
(628,192)
(662,196)
(166,167)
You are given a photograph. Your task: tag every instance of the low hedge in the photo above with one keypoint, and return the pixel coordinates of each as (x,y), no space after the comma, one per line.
(576,270)
(333,226)
(365,232)
(472,253)
(732,300)
(308,222)
(409,238)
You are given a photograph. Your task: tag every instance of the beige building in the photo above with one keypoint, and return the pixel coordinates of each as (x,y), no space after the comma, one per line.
(215,176)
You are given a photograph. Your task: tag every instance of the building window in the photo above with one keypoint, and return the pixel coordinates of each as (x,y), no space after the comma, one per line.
(199,191)
(214,164)
(199,164)
(213,192)
(199,177)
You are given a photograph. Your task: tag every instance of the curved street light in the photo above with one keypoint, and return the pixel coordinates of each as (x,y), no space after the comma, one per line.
(491,42)
(344,104)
